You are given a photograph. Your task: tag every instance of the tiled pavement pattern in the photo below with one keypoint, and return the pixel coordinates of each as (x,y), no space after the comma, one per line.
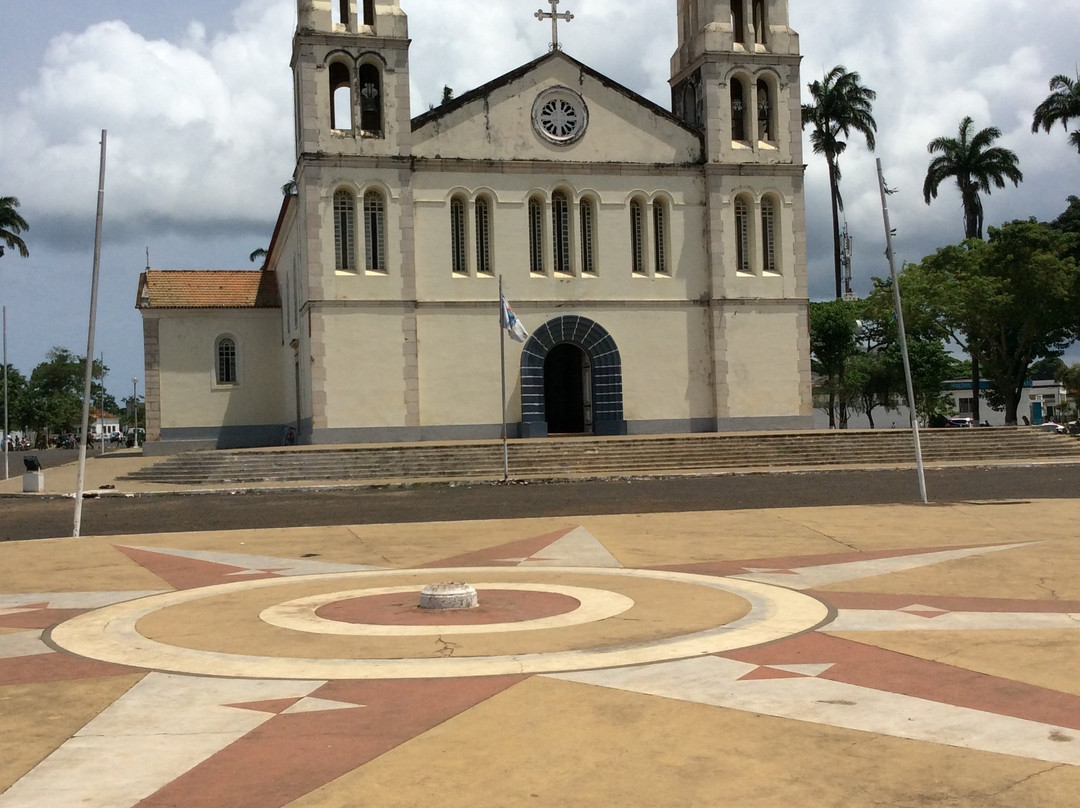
(886,656)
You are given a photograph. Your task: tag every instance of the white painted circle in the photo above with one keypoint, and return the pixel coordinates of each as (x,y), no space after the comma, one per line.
(299,614)
(110,634)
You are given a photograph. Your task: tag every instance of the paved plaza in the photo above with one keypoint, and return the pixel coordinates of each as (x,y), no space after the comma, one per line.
(842,656)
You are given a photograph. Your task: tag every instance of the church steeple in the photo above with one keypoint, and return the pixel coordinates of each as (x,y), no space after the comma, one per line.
(351,74)
(731,76)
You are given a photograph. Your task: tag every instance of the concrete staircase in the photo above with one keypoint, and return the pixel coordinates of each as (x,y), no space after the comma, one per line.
(574,457)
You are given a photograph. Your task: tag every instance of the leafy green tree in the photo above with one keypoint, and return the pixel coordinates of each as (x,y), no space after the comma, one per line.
(1069,377)
(16,390)
(1061,106)
(11,225)
(839,105)
(975,164)
(1046,368)
(54,392)
(930,362)
(833,340)
(1016,296)
(871,383)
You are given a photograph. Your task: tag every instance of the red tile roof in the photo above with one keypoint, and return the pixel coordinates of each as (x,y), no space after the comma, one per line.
(208,289)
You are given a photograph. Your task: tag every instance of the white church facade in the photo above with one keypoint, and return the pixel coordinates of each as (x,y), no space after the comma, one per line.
(656,257)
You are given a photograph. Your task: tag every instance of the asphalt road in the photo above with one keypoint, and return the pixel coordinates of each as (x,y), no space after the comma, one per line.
(36,518)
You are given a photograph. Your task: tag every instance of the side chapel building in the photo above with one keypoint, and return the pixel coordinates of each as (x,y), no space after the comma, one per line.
(657,258)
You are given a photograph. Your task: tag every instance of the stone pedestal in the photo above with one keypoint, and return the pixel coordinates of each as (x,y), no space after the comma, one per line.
(448,596)
(33,482)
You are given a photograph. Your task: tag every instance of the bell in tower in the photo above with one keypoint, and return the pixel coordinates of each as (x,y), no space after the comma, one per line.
(351,73)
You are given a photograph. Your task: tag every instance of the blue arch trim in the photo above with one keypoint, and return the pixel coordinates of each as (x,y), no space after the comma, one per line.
(604,359)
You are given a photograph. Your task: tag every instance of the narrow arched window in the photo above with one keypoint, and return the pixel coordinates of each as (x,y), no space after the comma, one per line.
(371,116)
(457,236)
(760,23)
(587,214)
(339,13)
(560,231)
(768,236)
(226,361)
(738,111)
(369,12)
(660,234)
(738,21)
(340,97)
(375,231)
(536,236)
(637,237)
(742,235)
(766,114)
(344,231)
(483,236)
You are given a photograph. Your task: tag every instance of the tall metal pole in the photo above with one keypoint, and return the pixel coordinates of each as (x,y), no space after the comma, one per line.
(89,375)
(502,372)
(135,407)
(903,335)
(5,435)
(101,405)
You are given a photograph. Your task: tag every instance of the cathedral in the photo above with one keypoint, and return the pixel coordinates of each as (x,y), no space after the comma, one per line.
(655,257)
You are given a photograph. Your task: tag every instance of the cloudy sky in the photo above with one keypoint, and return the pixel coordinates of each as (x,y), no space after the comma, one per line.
(196,98)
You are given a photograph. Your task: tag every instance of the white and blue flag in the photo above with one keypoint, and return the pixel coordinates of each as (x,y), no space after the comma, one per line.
(511,323)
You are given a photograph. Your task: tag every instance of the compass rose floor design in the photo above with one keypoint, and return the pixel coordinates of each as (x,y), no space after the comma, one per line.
(892,656)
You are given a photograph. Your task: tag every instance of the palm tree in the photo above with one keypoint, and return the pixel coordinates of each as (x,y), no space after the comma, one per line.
(11,224)
(1062,104)
(840,105)
(975,164)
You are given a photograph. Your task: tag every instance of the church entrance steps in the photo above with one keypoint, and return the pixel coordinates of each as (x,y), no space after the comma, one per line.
(609,457)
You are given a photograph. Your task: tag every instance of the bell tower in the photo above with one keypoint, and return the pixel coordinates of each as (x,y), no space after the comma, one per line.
(735,76)
(350,66)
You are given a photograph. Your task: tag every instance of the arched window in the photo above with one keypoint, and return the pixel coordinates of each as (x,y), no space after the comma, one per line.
(369,12)
(344,231)
(483,236)
(766,114)
(457,236)
(660,235)
(375,231)
(637,237)
(371,117)
(760,23)
(339,13)
(768,236)
(560,231)
(340,97)
(226,361)
(742,235)
(536,236)
(738,21)
(587,214)
(738,111)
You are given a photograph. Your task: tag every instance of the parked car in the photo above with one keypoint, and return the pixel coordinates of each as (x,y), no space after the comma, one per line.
(959,422)
(1050,426)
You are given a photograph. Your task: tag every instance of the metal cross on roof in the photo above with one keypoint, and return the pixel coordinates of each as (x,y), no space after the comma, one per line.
(554,16)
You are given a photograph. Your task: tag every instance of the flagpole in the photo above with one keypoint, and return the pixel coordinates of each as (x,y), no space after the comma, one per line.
(88,378)
(502,373)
